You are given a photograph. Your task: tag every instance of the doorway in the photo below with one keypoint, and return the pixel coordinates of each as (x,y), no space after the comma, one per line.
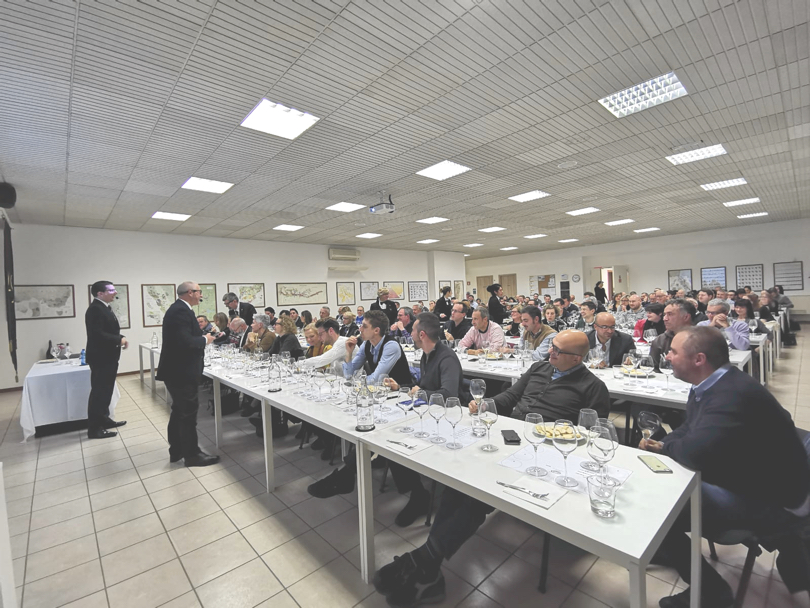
(509,284)
(481,284)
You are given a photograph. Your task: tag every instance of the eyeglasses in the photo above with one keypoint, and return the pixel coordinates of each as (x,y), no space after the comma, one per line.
(557,351)
(194,291)
(610,327)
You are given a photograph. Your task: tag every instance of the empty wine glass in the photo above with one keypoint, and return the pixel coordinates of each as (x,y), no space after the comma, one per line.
(55,352)
(646,365)
(420,406)
(378,398)
(383,387)
(405,402)
(650,335)
(67,352)
(436,411)
(488,414)
(602,446)
(536,439)
(453,414)
(318,379)
(564,437)
(649,423)
(587,419)
(665,365)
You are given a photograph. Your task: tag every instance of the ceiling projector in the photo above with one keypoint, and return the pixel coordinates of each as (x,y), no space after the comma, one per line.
(386,205)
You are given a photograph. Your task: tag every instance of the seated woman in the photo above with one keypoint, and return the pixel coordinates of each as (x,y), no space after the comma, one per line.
(306,317)
(349,327)
(260,337)
(551,317)
(745,312)
(655,320)
(286,338)
(316,346)
(767,301)
(361,312)
(221,321)
(616,304)
(514,328)
(764,312)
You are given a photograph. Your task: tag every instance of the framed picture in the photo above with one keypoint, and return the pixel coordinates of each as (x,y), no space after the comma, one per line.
(368,290)
(396,289)
(790,275)
(120,305)
(209,303)
(680,279)
(252,293)
(155,301)
(44,302)
(713,278)
(458,289)
(417,290)
(300,294)
(345,293)
(442,285)
(750,274)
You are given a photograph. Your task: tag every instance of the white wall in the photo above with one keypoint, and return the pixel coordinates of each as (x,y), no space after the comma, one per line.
(649,259)
(55,255)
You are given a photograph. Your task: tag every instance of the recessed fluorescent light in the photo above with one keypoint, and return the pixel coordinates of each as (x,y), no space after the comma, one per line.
(746,216)
(740,181)
(428,241)
(569,164)
(583,211)
(619,222)
(176,217)
(432,220)
(443,170)
(492,229)
(535,236)
(466,255)
(568,241)
(508,248)
(345,207)
(474,245)
(206,185)
(529,196)
(368,235)
(744,201)
(646,230)
(660,89)
(287,227)
(699,154)
(276,119)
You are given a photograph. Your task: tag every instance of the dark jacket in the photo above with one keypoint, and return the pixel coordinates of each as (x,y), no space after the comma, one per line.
(660,346)
(620,344)
(287,343)
(441,373)
(600,294)
(559,399)
(460,330)
(181,357)
(225,338)
(741,439)
(246,312)
(390,310)
(443,307)
(497,313)
(765,314)
(103,334)
(513,329)
(347,331)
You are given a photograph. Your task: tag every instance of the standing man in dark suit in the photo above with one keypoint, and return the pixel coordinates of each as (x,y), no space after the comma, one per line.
(613,344)
(239,309)
(103,350)
(181,366)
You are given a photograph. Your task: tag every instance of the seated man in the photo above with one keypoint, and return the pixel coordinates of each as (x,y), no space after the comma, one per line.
(753,466)
(587,311)
(699,316)
(404,324)
(613,344)
(271,312)
(239,333)
(459,324)
(482,331)
(678,315)
(537,335)
(735,332)
(205,325)
(636,311)
(556,389)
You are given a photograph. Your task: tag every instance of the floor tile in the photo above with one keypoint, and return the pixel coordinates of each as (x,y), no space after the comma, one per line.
(225,477)
(64,587)
(297,558)
(336,585)
(61,557)
(237,492)
(343,531)
(62,481)
(273,531)
(115,496)
(124,512)
(217,558)
(280,600)
(566,562)
(138,558)
(610,583)
(60,513)
(243,587)
(108,468)
(254,509)
(477,559)
(152,588)
(316,511)
(129,533)
(176,494)
(94,600)
(50,536)
(172,477)
(185,512)
(200,532)
(515,584)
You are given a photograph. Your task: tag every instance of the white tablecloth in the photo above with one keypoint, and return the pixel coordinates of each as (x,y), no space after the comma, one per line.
(56,393)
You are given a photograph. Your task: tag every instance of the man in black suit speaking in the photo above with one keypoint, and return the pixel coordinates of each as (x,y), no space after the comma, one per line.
(102,352)
(181,366)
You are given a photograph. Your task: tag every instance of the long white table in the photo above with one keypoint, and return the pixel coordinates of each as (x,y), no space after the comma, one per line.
(56,392)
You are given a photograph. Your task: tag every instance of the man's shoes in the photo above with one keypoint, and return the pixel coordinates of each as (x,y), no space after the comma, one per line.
(339,481)
(404,585)
(174,457)
(418,505)
(109,423)
(100,434)
(318,444)
(724,599)
(246,412)
(201,460)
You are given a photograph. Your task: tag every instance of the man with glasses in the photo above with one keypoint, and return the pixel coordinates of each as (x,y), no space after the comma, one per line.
(459,324)
(180,367)
(678,315)
(612,344)
(244,310)
(736,333)
(329,333)
(557,388)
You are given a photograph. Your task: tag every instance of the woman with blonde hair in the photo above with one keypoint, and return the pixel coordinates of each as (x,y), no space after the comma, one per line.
(316,346)
(349,327)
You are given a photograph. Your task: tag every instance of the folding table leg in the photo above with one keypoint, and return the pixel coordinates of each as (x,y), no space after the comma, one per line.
(365,506)
(217,413)
(269,467)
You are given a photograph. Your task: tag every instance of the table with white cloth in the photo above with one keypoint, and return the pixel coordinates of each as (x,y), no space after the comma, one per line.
(56,392)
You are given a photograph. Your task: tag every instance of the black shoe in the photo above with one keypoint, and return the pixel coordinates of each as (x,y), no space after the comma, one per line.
(111,424)
(417,506)
(174,458)
(403,584)
(723,599)
(201,460)
(100,434)
(246,412)
(318,444)
(339,481)
(378,463)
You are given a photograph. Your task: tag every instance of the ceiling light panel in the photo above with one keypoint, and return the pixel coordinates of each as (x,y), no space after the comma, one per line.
(583,211)
(287,227)
(646,230)
(508,248)
(443,170)
(535,236)
(656,91)
(206,185)
(568,241)
(744,201)
(279,120)
(529,196)
(428,241)
(345,207)
(748,215)
(729,183)
(432,220)
(492,229)
(699,154)
(619,222)
(175,217)
(474,245)
(368,235)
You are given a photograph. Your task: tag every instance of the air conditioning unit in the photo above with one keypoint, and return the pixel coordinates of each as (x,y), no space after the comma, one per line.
(344,254)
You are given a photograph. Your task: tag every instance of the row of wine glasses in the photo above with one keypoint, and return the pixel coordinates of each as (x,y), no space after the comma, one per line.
(437,408)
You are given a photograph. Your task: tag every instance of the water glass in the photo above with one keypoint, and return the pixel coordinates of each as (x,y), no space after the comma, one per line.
(478,389)
(602,497)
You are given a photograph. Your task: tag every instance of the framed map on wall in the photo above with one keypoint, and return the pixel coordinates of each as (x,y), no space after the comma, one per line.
(208,305)
(295,294)
(345,293)
(120,305)
(458,289)
(44,302)
(155,301)
(368,290)
(396,289)
(252,293)
(680,279)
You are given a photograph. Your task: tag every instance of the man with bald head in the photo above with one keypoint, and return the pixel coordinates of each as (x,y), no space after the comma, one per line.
(557,388)
(613,344)
(181,366)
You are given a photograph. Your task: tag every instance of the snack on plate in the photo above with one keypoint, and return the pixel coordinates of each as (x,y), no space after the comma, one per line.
(548,431)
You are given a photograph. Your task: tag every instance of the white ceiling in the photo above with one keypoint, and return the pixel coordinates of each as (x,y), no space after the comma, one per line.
(105,110)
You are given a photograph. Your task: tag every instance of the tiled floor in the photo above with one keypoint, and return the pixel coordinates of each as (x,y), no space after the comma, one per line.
(112,523)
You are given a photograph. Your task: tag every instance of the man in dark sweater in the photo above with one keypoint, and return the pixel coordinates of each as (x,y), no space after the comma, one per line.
(754,469)
(678,315)
(558,388)
(459,324)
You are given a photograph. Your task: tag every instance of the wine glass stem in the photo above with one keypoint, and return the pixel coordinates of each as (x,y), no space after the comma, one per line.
(454,434)
(565,468)
(421,424)
(488,441)
(535,455)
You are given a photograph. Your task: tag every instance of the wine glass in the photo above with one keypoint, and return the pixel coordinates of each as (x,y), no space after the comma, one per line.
(478,389)
(488,414)
(536,439)
(646,365)
(602,446)
(436,411)
(649,423)
(405,402)
(453,414)
(378,398)
(665,365)
(587,419)
(384,390)
(564,437)
(55,352)
(650,335)
(318,378)
(67,352)
(484,352)
(420,406)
